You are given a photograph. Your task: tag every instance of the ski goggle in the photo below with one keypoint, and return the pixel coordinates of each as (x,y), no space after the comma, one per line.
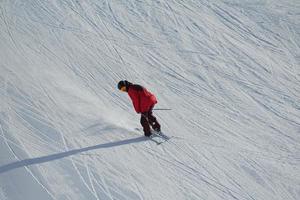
(123,88)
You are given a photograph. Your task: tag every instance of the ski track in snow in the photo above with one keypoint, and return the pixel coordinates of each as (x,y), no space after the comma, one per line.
(228,69)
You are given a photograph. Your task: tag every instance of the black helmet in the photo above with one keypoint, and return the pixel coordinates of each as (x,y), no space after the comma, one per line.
(123,83)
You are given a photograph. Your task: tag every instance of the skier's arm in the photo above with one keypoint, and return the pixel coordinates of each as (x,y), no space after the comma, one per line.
(137,103)
(135,98)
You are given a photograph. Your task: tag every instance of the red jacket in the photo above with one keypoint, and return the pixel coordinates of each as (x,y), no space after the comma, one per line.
(141,98)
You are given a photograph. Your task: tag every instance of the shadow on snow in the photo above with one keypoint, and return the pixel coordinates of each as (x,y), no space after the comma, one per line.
(43,159)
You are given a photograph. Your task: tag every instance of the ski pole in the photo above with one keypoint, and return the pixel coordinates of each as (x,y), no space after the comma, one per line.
(162,109)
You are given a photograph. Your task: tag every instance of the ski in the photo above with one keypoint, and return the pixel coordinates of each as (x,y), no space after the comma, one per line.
(155,141)
(159,137)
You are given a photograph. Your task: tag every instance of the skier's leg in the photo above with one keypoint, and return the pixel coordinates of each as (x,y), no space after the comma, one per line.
(153,121)
(145,124)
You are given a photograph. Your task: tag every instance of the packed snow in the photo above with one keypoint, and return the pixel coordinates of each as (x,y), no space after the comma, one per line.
(229,71)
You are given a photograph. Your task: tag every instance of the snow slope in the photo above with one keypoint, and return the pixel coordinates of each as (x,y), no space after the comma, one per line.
(230,71)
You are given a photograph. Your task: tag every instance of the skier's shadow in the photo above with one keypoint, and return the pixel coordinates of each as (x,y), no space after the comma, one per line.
(43,159)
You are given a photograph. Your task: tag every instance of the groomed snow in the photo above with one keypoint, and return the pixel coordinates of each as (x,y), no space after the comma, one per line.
(229,70)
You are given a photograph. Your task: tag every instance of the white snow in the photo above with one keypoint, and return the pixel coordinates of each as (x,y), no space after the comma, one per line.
(229,70)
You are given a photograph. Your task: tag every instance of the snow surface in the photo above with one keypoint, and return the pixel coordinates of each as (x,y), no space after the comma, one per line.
(229,70)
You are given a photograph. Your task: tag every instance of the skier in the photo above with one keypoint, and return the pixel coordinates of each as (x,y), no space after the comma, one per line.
(143,103)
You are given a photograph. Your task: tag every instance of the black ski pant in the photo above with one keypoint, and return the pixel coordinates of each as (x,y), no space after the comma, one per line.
(147,120)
